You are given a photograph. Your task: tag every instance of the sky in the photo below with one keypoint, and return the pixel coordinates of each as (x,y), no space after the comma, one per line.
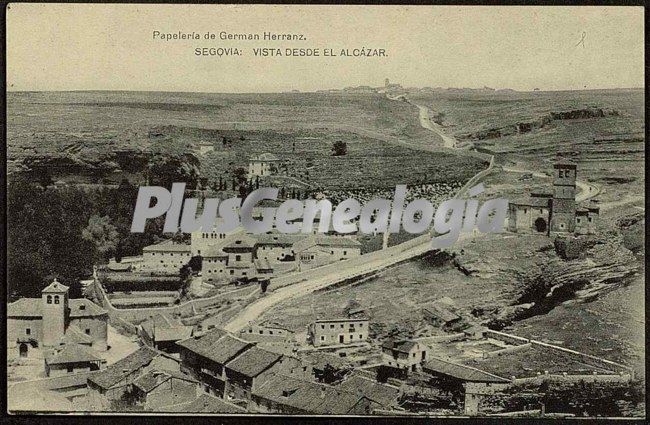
(111,47)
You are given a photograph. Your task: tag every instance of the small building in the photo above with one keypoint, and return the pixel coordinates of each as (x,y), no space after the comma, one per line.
(267,332)
(441,313)
(338,331)
(205,147)
(158,388)
(72,358)
(385,395)
(214,265)
(163,332)
(586,218)
(242,371)
(407,355)
(276,247)
(204,358)
(240,256)
(287,395)
(473,383)
(314,251)
(165,258)
(263,165)
(110,384)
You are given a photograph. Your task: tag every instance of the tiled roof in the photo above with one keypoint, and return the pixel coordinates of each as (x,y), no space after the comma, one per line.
(253,361)
(153,378)
(386,395)
(83,307)
(461,372)
(240,241)
(306,396)
(205,404)
(167,246)
(214,252)
(164,328)
(55,287)
(401,346)
(25,307)
(74,353)
(216,345)
(73,335)
(124,367)
(31,307)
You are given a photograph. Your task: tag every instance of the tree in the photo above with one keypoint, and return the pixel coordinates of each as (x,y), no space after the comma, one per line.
(102,234)
(339,148)
(240,174)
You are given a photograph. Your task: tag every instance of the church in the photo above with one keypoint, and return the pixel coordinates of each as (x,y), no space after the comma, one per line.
(53,321)
(555,212)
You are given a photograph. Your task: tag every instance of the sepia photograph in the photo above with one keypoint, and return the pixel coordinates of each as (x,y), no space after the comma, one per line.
(253,211)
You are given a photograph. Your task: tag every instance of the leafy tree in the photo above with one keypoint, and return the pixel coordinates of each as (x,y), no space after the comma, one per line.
(102,234)
(240,174)
(339,148)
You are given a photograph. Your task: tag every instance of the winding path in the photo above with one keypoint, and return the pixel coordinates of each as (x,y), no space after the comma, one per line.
(351,268)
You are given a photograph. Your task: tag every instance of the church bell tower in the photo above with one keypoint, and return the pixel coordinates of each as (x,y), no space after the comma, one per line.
(55,313)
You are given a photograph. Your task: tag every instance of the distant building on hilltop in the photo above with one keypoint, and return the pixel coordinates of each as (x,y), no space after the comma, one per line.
(263,165)
(554,212)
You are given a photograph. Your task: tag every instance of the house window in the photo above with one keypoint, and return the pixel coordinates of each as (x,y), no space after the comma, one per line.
(331,326)
(70,369)
(232,272)
(87,331)
(49,299)
(578,220)
(360,336)
(345,253)
(589,219)
(28,331)
(82,307)
(322,338)
(237,257)
(56,299)
(322,326)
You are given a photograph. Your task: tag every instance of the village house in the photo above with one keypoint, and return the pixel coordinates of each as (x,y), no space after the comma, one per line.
(112,383)
(72,358)
(165,258)
(213,267)
(266,332)
(242,371)
(163,332)
(276,247)
(337,331)
(555,212)
(315,251)
(472,383)
(407,355)
(288,395)
(240,256)
(384,395)
(204,357)
(441,313)
(158,388)
(53,320)
(263,165)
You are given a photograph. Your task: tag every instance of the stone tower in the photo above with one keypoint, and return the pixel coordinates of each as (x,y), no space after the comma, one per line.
(563,207)
(55,313)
